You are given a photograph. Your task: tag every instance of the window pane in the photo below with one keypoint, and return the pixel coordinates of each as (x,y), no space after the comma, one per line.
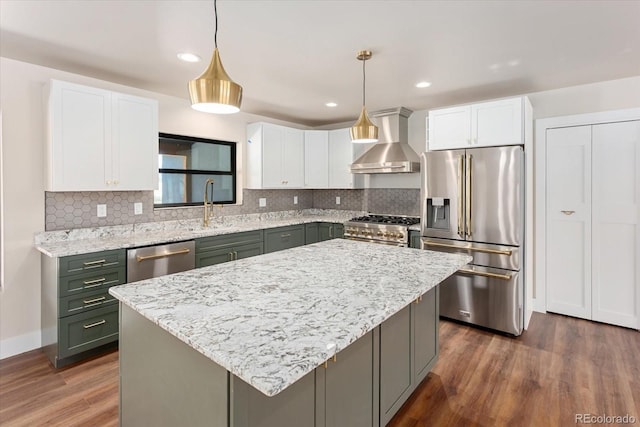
(177,188)
(194,155)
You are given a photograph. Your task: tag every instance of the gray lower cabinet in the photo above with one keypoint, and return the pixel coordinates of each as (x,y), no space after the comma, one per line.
(280,238)
(330,230)
(78,316)
(408,351)
(414,239)
(228,247)
(311,233)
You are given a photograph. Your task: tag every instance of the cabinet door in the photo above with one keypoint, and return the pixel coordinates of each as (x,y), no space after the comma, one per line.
(497,123)
(340,159)
(568,233)
(80,135)
(615,209)
(134,143)
(272,165)
(395,363)
(249,250)
(348,391)
(213,257)
(424,316)
(449,128)
(293,158)
(330,230)
(311,233)
(316,159)
(277,239)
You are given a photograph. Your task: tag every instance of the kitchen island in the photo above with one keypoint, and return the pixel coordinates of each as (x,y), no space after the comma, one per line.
(305,336)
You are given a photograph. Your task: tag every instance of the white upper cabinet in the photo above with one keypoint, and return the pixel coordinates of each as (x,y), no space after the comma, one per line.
(492,123)
(275,156)
(100,140)
(342,152)
(316,159)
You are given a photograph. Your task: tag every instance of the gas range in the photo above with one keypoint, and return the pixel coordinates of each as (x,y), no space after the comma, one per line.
(384,229)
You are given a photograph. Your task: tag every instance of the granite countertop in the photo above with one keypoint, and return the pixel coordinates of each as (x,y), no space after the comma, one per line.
(87,240)
(271,319)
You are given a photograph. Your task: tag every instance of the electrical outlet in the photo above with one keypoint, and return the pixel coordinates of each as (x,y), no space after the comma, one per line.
(137,208)
(262,202)
(295,200)
(337,200)
(102,211)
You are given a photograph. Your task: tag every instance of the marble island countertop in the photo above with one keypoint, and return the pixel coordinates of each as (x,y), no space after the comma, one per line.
(274,318)
(87,240)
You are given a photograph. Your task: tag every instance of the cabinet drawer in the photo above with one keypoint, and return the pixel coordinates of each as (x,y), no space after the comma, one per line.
(84,331)
(228,240)
(277,239)
(85,301)
(91,262)
(73,285)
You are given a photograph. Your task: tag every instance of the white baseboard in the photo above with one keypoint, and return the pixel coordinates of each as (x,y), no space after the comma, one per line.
(539,306)
(20,344)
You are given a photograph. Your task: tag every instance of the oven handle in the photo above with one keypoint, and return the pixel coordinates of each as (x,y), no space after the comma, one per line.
(485,274)
(471,248)
(402,245)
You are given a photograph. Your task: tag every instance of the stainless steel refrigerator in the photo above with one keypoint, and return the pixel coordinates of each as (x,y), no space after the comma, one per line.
(473,202)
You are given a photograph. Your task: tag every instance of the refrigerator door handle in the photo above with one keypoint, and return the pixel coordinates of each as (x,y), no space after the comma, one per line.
(485,274)
(468,194)
(470,248)
(460,174)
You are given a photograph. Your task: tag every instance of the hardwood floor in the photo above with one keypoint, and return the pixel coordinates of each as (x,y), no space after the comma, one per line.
(558,368)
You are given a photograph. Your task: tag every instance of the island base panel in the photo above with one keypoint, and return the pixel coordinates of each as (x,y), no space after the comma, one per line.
(164,382)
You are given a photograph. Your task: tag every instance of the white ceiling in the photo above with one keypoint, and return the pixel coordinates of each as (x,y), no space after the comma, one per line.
(291,57)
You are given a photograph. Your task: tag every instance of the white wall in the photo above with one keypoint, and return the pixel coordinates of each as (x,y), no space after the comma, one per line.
(23,138)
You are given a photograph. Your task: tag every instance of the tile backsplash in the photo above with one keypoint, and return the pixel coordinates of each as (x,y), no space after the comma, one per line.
(70,210)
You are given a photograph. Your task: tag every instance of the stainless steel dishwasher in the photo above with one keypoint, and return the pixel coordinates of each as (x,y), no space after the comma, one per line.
(159,260)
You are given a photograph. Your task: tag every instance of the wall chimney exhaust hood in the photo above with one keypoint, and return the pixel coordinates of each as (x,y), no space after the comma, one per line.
(392,154)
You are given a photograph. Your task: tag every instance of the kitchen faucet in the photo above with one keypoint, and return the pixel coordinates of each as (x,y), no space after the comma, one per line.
(208,204)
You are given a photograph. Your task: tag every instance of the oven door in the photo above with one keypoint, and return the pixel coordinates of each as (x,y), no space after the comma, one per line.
(483,296)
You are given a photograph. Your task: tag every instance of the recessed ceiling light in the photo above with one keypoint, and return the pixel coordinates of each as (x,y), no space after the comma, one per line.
(331,104)
(189,57)
(423,84)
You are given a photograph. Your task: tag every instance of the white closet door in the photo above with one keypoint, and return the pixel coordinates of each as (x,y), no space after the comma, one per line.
(616,238)
(568,233)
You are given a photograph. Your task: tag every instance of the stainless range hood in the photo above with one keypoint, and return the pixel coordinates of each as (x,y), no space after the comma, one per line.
(392,154)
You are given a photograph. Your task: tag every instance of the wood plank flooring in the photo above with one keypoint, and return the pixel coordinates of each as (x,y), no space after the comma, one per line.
(560,367)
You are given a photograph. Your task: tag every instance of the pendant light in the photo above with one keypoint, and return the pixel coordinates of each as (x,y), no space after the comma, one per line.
(214,91)
(363,130)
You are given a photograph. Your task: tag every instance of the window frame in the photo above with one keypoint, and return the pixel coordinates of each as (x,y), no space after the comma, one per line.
(188,172)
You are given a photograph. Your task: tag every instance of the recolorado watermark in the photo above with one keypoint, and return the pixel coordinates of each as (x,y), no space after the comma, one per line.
(605,419)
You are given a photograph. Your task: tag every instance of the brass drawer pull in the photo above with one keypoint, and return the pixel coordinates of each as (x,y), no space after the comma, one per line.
(285,235)
(485,274)
(180,252)
(95,300)
(471,248)
(94,283)
(93,325)
(89,263)
(568,212)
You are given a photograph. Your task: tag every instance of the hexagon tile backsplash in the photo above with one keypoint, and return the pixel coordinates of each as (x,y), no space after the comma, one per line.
(69,210)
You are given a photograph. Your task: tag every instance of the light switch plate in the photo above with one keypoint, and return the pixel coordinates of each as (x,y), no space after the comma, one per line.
(262,202)
(102,211)
(337,200)
(295,200)
(137,208)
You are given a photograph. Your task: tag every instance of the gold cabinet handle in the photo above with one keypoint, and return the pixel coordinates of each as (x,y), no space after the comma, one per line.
(485,274)
(468,194)
(179,252)
(95,300)
(89,263)
(507,252)
(93,325)
(285,235)
(460,172)
(568,212)
(94,283)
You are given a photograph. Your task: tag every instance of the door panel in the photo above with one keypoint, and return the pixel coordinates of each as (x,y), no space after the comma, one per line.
(616,192)
(568,233)
(496,193)
(441,177)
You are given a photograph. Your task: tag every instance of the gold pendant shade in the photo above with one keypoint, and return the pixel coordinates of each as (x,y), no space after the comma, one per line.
(214,91)
(363,130)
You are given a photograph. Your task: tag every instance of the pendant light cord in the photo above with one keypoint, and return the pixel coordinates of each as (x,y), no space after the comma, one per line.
(215,34)
(364,79)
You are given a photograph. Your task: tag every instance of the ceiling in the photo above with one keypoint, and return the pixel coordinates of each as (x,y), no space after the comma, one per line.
(293,56)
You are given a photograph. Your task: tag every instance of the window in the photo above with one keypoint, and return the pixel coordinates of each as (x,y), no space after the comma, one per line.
(185,165)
